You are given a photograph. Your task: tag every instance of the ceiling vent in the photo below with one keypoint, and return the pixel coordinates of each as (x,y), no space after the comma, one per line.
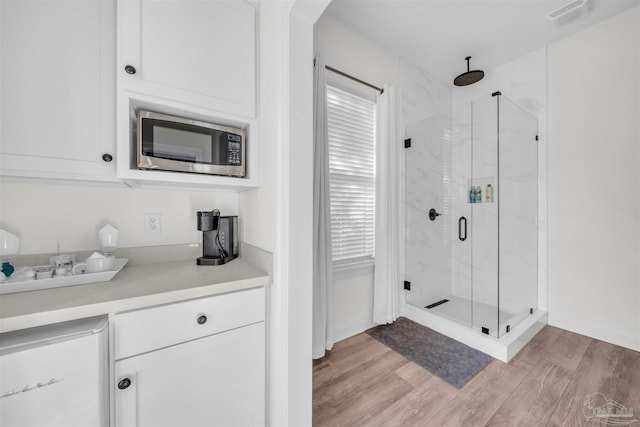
(569,12)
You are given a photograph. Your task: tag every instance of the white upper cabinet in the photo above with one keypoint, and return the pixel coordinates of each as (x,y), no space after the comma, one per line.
(200,53)
(57,87)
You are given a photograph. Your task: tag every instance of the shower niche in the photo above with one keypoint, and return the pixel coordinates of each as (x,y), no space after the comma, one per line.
(476,266)
(480,190)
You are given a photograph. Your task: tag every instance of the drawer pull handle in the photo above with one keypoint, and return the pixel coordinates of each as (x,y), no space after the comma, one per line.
(202,319)
(124,383)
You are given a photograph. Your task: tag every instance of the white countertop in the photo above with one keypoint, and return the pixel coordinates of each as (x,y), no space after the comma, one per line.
(136,286)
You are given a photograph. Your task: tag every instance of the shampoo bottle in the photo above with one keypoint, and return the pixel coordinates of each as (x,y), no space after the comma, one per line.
(489,194)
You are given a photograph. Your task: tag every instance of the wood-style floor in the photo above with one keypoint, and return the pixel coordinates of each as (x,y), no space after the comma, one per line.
(363,382)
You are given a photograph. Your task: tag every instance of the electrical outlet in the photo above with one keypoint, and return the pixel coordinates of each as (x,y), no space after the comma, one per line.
(152,223)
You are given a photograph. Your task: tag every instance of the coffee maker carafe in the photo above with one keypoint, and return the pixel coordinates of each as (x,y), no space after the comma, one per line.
(219,237)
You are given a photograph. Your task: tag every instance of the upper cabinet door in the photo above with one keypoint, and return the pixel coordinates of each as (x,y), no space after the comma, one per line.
(196,52)
(57,86)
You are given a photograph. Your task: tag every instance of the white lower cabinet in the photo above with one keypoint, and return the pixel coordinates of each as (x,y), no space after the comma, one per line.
(214,380)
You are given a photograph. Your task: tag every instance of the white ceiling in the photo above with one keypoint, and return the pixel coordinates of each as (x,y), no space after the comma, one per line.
(438,34)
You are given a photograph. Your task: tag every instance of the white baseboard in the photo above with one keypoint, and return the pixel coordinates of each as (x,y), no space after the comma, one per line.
(621,338)
(346,331)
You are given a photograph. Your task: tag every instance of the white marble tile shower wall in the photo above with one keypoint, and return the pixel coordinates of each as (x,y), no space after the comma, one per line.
(426,110)
(423,96)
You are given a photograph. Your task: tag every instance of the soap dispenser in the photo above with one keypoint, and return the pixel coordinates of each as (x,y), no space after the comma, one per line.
(489,193)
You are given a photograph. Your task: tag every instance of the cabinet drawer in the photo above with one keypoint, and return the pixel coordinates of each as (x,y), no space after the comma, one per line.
(144,330)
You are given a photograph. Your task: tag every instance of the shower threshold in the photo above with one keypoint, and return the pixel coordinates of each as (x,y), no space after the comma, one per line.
(453,319)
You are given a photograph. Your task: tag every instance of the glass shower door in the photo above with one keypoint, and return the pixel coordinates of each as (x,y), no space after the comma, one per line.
(518,215)
(484,214)
(504,216)
(426,248)
(433,171)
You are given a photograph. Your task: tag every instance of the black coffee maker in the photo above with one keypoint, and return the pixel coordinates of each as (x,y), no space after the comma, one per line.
(219,237)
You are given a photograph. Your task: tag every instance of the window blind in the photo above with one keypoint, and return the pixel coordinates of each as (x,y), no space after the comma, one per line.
(351,131)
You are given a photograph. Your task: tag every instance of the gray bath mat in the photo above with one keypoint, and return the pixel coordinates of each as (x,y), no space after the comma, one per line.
(449,359)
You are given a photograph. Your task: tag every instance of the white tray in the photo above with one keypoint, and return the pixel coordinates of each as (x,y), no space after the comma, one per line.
(17,282)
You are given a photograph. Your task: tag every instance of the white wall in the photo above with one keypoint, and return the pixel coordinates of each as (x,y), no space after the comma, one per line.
(258,206)
(288,58)
(353,301)
(348,51)
(594,183)
(49,214)
(292,302)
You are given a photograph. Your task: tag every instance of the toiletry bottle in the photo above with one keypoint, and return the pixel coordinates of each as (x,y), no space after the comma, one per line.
(472,194)
(478,194)
(489,193)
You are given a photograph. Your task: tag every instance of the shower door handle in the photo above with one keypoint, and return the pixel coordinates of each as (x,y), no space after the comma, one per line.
(460,236)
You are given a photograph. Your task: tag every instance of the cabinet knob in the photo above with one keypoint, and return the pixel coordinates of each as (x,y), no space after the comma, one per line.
(124,383)
(202,319)
(107,157)
(130,69)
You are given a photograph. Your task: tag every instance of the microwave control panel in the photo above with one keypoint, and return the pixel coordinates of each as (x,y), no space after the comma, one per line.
(234,155)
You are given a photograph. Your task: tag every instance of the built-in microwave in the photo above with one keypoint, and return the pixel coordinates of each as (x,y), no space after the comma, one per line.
(178,144)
